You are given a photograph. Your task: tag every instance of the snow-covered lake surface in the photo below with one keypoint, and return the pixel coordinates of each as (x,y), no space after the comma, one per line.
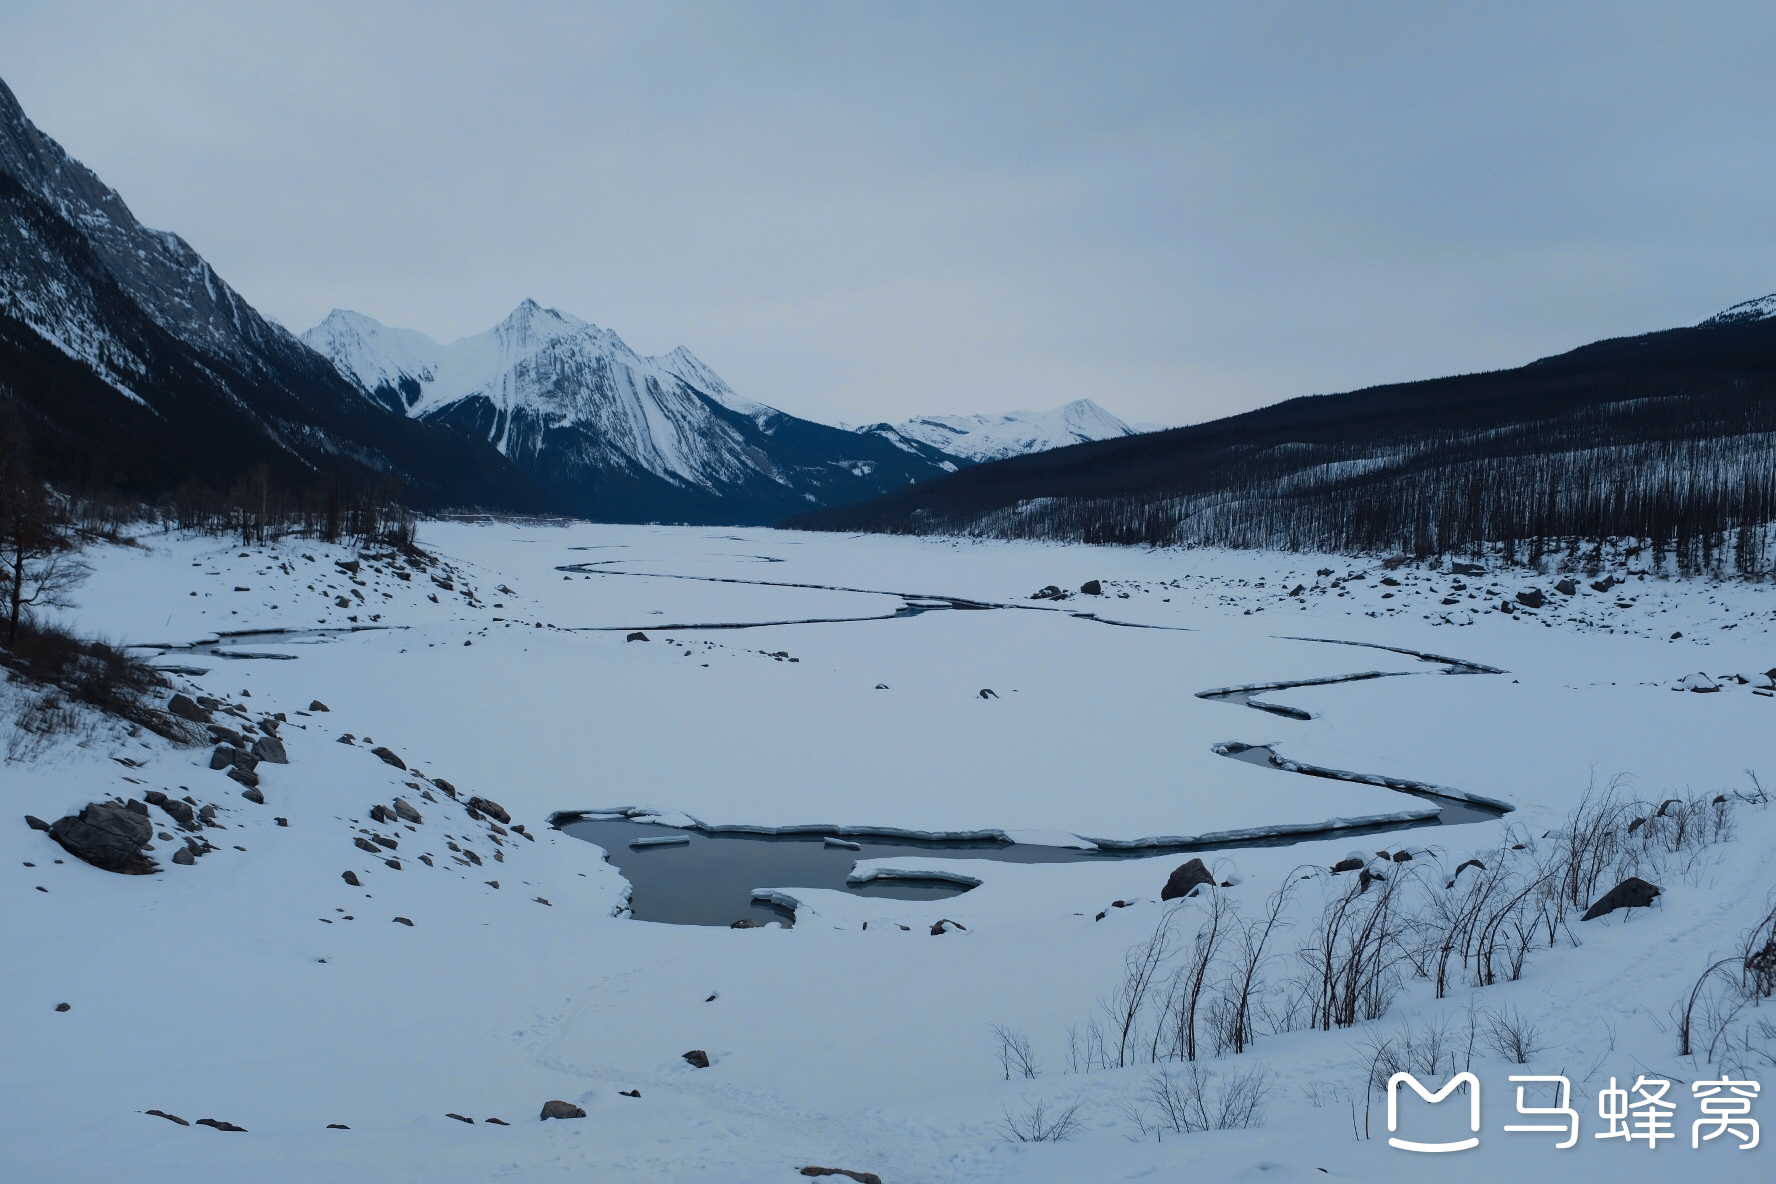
(875,690)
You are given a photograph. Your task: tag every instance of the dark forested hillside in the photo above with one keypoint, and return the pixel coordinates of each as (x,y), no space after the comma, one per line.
(1666,437)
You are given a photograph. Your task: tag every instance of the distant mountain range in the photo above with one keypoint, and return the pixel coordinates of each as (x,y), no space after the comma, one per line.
(131,366)
(980,438)
(1667,437)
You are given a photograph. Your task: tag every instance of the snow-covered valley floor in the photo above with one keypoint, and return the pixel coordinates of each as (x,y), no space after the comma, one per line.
(256,986)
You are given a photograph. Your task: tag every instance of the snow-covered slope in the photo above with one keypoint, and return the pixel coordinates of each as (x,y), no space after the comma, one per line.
(619,434)
(1760,309)
(980,438)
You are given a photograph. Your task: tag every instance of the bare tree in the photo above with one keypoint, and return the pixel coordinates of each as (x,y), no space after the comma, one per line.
(37,566)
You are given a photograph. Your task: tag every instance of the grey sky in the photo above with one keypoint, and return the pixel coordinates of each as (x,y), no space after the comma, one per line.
(863,212)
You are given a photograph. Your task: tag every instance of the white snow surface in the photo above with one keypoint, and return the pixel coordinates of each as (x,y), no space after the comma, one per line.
(237,989)
(1760,309)
(1011,433)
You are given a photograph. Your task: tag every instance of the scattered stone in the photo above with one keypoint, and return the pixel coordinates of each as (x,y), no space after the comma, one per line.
(246,777)
(388,758)
(363,844)
(1121,904)
(379,813)
(1632,893)
(405,810)
(860,1177)
(542,900)
(427,860)
(1531,598)
(185,708)
(1697,682)
(1676,635)
(347,739)
(1566,587)
(393,863)
(317,705)
(64,1007)
(938,929)
(36,823)
(496,1122)
(1402,856)
(988,693)
(352,879)
(1099,917)
(698,1058)
(629,1093)
(1092,588)
(253,795)
(336,1126)
(1049,592)
(107,836)
(460,1118)
(183,857)
(271,750)
(168,1117)
(1347,865)
(281,821)
(224,735)
(490,808)
(223,757)
(221,1126)
(1184,878)
(559,1109)
(403,921)
(1466,569)
(638,636)
(1462,867)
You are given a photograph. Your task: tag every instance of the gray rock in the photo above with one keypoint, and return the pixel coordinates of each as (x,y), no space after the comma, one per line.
(35,823)
(223,757)
(559,1109)
(221,1126)
(183,857)
(747,923)
(405,809)
(403,921)
(1092,588)
(1347,865)
(185,707)
(393,863)
(224,735)
(389,758)
(246,777)
(317,705)
(271,750)
(352,879)
(107,836)
(636,637)
(253,795)
(1567,588)
(1185,878)
(444,785)
(1632,893)
(1532,598)
(490,808)
(697,1058)
(363,844)
(63,1007)
(385,841)
(860,1177)
(168,1117)
(380,813)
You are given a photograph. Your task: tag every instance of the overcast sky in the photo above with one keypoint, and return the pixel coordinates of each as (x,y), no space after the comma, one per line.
(867,211)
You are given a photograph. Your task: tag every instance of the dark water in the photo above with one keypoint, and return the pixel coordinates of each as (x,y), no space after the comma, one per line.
(709,880)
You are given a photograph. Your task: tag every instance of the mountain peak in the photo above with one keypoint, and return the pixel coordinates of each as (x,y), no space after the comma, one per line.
(1763,308)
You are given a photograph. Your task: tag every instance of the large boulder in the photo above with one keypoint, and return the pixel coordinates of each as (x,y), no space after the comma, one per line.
(559,1109)
(185,707)
(1532,598)
(1632,893)
(1698,682)
(106,835)
(1185,879)
(404,809)
(490,808)
(1566,587)
(1092,588)
(271,750)
(388,757)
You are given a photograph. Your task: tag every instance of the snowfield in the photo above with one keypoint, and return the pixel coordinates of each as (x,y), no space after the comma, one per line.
(801,680)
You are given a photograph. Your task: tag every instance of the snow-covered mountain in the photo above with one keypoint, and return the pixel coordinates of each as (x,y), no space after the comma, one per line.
(981,438)
(616,434)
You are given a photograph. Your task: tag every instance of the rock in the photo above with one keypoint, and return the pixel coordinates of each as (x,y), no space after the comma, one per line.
(36,823)
(637,636)
(560,1109)
(1632,893)
(1092,588)
(938,930)
(246,777)
(64,1007)
(698,1058)
(168,1117)
(427,860)
(221,1126)
(317,705)
(1531,598)
(491,883)
(490,808)
(1298,589)
(363,844)
(183,857)
(1698,682)
(1402,856)
(379,813)
(388,758)
(208,813)
(271,750)
(403,921)
(352,879)
(1676,635)
(444,785)
(629,1093)
(988,693)
(1462,867)
(405,810)
(337,1126)
(1184,878)
(747,923)
(1466,569)
(496,1122)
(542,900)
(393,863)
(224,735)
(460,1118)
(1567,588)
(185,708)
(860,1177)
(223,757)
(106,835)
(1049,592)
(253,795)
(1347,865)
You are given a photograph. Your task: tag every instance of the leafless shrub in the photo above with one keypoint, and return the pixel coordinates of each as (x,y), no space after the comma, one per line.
(1511,1035)
(1036,1123)
(1189,1099)
(1015,1056)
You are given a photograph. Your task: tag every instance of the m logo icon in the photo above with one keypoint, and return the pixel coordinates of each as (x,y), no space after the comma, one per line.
(1473,1084)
